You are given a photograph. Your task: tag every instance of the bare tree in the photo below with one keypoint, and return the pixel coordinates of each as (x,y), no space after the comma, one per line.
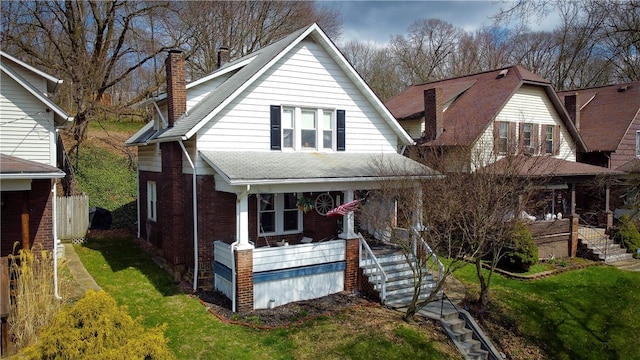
(242,26)
(424,54)
(376,66)
(93,45)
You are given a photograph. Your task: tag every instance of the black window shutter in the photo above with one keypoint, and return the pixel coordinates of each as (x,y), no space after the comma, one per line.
(340,127)
(276,137)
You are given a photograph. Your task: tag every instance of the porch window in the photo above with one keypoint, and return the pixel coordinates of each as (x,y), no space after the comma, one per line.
(278,214)
(549,140)
(151,201)
(503,137)
(638,143)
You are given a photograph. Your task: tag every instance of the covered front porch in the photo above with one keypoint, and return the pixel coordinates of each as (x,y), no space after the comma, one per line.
(285,247)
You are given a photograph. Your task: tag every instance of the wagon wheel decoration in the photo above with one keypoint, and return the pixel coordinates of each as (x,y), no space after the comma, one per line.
(324,203)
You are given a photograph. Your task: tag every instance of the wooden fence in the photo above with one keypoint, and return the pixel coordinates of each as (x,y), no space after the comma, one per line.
(72,219)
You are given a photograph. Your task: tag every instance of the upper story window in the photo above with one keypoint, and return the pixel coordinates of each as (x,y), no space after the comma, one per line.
(298,128)
(549,139)
(503,137)
(278,214)
(638,143)
(527,136)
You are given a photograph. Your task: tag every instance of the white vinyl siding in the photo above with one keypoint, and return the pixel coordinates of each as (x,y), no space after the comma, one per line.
(26,128)
(149,158)
(530,105)
(305,77)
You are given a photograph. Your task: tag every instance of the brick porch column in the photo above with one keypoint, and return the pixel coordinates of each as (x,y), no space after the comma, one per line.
(573,235)
(352,265)
(244,282)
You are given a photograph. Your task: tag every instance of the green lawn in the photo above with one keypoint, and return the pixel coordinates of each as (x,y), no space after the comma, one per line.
(592,313)
(127,273)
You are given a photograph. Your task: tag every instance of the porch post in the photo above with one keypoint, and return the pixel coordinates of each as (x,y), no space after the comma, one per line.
(242,221)
(607,210)
(574,223)
(348,222)
(244,255)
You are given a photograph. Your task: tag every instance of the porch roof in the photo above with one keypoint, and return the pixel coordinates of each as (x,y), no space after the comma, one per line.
(547,166)
(12,167)
(262,168)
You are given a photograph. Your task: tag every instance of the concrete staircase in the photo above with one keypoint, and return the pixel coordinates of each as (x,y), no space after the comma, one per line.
(601,245)
(399,291)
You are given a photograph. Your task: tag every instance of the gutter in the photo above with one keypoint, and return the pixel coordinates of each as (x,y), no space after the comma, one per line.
(195,217)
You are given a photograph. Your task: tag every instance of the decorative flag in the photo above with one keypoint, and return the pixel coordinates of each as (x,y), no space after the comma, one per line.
(344,208)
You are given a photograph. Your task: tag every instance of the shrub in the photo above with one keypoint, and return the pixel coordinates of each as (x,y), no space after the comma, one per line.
(524,251)
(96,328)
(627,232)
(34,304)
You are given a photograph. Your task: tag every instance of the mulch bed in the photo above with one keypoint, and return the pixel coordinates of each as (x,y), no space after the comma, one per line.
(281,316)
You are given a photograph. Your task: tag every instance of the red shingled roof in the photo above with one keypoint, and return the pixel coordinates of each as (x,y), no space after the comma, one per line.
(478,100)
(606,113)
(523,165)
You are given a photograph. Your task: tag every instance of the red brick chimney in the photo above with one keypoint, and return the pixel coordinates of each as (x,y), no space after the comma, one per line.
(223,56)
(433,114)
(176,86)
(572,105)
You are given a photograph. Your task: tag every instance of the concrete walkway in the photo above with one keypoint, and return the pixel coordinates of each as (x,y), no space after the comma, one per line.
(629,265)
(76,268)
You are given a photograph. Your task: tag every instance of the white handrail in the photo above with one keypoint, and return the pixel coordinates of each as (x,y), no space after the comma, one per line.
(368,254)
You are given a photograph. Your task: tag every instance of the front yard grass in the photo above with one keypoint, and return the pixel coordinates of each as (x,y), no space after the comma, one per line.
(590,313)
(134,280)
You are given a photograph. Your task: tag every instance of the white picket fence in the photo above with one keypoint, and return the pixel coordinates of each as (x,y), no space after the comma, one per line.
(72,220)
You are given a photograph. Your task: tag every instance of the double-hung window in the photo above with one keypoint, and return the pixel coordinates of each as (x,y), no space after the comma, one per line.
(527,131)
(278,214)
(638,143)
(549,138)
(503,137)
(300,128)
(152,201)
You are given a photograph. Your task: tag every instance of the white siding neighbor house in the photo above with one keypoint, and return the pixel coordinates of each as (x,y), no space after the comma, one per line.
(29,121)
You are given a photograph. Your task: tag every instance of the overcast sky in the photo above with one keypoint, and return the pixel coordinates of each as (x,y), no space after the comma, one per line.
(377,20)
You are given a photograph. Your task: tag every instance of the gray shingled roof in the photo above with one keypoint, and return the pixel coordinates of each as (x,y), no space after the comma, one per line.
(247,167)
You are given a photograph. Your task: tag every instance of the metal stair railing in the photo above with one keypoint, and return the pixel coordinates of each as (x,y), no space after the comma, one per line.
(594,236)
(378,275)
(471,324)
(433,263)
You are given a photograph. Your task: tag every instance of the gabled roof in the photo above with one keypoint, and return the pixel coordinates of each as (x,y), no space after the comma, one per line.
(12,168)
(250,68)
(61,117)
(475,100)
(606,112)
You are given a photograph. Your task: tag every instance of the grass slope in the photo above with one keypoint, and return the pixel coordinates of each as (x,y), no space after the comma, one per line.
(590,313)
(129,275)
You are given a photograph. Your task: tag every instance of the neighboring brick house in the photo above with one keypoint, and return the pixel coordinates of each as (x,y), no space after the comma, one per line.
(292,123)
(495,116)
(29,121)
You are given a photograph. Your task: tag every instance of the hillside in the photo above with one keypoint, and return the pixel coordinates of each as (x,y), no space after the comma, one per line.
(105,168)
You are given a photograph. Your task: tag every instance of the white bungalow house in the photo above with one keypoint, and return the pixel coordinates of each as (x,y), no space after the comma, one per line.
(238,169)
(29,121)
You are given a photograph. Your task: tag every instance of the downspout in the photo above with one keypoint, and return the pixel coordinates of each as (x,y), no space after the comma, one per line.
(233,259)
(55,242)
(138,197)
(195,217)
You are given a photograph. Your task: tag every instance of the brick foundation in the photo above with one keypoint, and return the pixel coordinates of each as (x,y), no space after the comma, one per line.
(244,270)
(351,266)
